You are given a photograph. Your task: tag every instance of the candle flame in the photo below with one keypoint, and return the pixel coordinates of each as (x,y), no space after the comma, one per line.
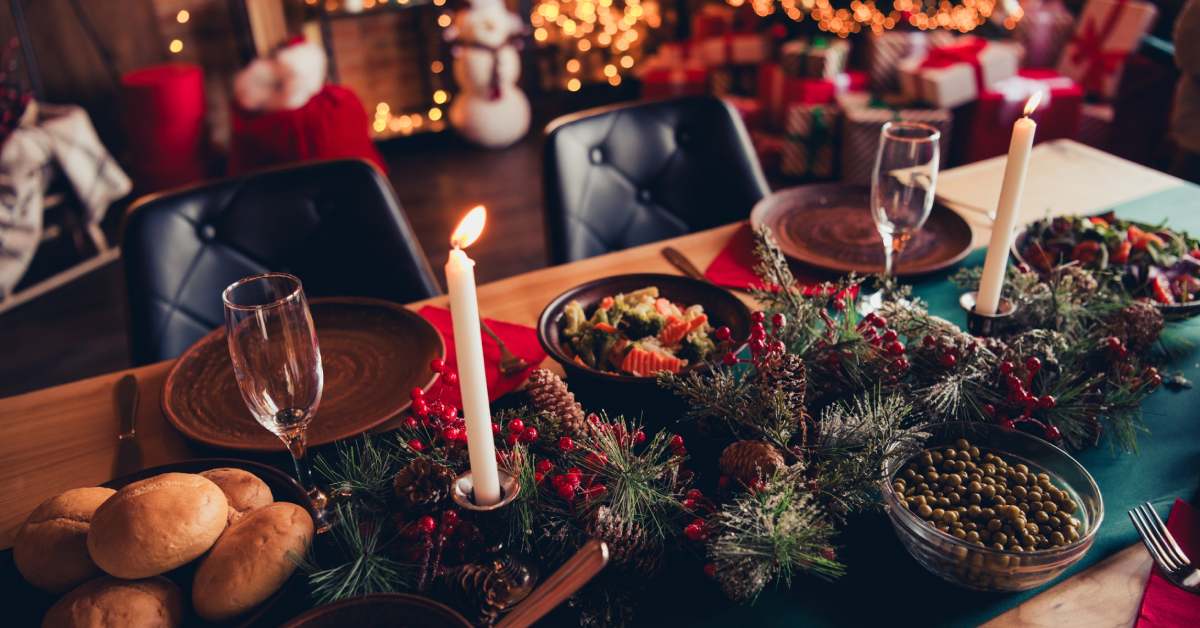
(1032,103)
(469,228)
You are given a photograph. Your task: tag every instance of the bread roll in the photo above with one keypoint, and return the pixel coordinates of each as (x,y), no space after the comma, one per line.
(251,561)
(157,524)
(50,550)
(245,491)
(108,602)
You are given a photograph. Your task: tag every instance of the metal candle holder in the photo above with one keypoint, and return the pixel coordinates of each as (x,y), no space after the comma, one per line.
(984,325)
(512,579)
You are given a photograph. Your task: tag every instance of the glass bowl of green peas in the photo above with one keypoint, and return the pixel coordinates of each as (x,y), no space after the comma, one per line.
(992,509)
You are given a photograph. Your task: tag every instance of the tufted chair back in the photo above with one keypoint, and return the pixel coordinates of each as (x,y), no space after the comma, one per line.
(335,224)
(620,176)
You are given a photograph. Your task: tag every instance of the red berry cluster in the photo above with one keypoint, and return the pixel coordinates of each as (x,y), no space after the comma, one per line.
(1020,401)
(874,329)
(1119,354)
(570,484)
(839,298)
(517,432)
(764,347)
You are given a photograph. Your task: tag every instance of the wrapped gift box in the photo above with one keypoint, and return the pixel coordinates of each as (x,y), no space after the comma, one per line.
(810,139)
(672,82)
(819,58)
(885,51)
(777,90)
(988,122)
(1044,31)
(769,149)
(949,76)
(1107,32)
(852,81)
(734,49)
(862,119)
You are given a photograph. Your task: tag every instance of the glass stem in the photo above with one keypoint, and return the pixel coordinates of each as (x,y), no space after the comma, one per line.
(888,254)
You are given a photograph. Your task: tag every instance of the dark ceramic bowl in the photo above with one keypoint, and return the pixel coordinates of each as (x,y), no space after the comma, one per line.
(629,394)
(379,611)
(1170,311)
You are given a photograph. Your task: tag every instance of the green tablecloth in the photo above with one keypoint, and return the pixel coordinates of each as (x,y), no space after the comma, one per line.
(886,585)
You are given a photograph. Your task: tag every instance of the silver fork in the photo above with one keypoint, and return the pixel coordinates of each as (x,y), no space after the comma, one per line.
(1171,560)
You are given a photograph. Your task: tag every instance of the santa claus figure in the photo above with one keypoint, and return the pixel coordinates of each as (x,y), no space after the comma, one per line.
(489,109)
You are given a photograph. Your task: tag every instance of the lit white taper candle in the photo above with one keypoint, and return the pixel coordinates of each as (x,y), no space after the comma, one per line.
(995,266)
(468,346)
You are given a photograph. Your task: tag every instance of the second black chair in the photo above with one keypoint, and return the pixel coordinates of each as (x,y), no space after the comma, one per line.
(620,176)
(337,225)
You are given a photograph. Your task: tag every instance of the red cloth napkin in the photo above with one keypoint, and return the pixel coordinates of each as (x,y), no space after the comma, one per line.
(521,340)
(734,265)
(1164,604)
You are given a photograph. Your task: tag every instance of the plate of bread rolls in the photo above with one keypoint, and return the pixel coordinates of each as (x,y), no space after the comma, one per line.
(196,543)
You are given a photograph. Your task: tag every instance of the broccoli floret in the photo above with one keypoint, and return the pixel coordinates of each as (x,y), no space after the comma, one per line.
(697,347)
(638,324)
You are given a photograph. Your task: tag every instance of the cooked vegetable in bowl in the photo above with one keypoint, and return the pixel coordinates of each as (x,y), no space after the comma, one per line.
(1149,261)
(638,333)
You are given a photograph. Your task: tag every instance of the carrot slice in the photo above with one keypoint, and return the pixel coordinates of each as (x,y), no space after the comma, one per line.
(606,303)
(642,363)
(605,327)
(676,332)
(663,306)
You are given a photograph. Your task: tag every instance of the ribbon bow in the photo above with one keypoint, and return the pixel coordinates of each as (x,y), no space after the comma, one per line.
(1089,50)
(962,52)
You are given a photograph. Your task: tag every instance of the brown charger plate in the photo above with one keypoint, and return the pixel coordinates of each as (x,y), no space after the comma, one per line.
(830,226)
(373,352)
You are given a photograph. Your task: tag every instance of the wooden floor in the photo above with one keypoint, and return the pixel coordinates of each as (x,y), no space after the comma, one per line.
(79,330)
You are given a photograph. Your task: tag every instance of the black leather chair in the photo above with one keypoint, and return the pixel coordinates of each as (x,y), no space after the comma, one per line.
(620,176)
(336,224)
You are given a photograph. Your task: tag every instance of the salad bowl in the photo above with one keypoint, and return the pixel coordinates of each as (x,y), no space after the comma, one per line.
(623,392)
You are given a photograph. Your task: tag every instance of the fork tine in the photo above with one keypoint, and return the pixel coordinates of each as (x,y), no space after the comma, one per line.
(1150,545)
(1172,547)
(1146,529)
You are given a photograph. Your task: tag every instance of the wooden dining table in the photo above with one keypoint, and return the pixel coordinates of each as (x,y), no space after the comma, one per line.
(66,436)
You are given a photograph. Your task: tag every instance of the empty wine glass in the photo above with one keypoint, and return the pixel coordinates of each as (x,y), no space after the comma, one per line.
(277,362)
(902,185)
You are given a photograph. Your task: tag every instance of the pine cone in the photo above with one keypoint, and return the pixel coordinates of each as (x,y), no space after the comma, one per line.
(475,590)
(548,393)
(631,546)
(750,460)
(742,580)
(787,375)
(1137,325)
(422,485)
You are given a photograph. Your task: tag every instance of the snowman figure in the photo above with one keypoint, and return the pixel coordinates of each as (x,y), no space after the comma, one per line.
(489,109)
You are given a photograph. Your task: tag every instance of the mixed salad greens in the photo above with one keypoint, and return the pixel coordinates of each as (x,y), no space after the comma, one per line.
(1150,261)
(638,333)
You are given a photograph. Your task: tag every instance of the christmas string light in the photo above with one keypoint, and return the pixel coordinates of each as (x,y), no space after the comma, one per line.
(609,31)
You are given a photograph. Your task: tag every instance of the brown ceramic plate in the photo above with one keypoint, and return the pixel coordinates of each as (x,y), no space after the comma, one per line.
(830,226)
(381,610)
(373,353)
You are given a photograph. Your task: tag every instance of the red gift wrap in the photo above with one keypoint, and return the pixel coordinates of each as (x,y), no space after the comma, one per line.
(674,82)
(777,90)
(331,125)
(990,118)
(162,114)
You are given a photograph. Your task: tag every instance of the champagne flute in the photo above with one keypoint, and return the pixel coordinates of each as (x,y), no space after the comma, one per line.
(902,185)
(277,361)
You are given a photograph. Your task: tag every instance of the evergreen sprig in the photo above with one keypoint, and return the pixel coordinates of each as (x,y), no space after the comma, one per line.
(365,567)
(362,468)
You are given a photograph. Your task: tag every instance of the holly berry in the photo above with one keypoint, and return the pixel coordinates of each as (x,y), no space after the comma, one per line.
(420,407)
(1033,364)
(757,346)
(729,359)
(574,476)
(639,437)
(565,444)
(757,317)
(879,321)
(778,320)
(710,570)
(565,491)
(417,393)
(544,466)
(828,554)
(895,347)
(948,360)
(676,441)
(1053,433)
(516,426)
(449,519)
(410,423)
(495,429)
(451,378)
(890,335)
(449,413)
(1007,367)
(1047,402)
(437,365)
(538,476)
(512,439)
(415,445)
(450,434)
(1008,424)
(778,347)
(597,459)
(426,524)
(723,334)
(989,409)
(929,341)
(529,435)
(695,531)
(694,493)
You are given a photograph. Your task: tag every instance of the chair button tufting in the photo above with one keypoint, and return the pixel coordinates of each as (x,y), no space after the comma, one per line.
(644,196)
(208,232)
(596,155)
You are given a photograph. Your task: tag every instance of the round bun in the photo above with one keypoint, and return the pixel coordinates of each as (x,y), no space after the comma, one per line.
(245,491)
(155,525)
(50,550)
(108,602)
(251,561)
